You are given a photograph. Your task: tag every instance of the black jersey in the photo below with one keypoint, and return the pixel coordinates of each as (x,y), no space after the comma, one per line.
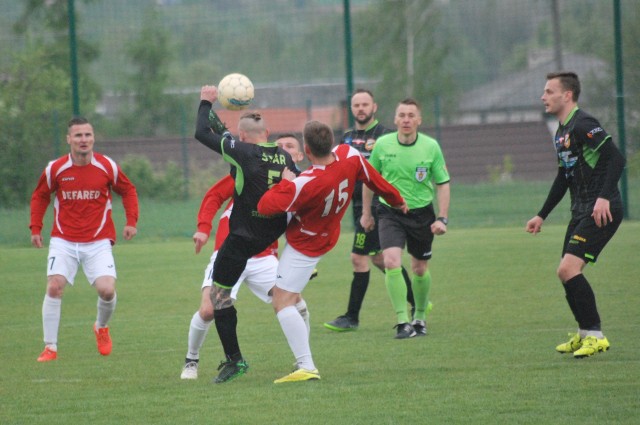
(363,141)
(257,168)
(577,142)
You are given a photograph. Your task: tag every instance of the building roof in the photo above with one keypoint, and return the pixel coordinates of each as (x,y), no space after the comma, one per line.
(522,90)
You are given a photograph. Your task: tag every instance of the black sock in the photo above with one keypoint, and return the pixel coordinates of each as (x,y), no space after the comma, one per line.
(407,281)
(359,286)
(226,323)
(585,303)
(572,302)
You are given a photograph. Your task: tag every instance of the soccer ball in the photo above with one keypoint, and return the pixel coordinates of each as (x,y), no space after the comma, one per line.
(235,92)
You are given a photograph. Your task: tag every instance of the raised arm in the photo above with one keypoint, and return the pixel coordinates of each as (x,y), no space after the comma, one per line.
(209,128)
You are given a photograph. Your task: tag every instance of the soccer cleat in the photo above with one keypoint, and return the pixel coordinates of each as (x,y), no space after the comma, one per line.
(230,370)
(420,326)
(404,330)
(342,324)
(299,375)
(570,346)
(103,339)
(47,355)
(216,125)
(314,274)
(190,370)
(590,346)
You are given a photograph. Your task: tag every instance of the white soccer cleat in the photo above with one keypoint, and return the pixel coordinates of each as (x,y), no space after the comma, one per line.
(190,371)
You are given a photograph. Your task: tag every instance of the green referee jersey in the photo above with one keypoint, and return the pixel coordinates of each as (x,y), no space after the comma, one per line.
(412,169)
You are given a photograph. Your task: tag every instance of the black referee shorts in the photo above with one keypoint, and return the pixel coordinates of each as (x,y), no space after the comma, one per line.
(413,229)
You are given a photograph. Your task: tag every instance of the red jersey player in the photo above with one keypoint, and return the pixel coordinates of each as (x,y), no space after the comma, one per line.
(83,231)
(318,199)
(259,273)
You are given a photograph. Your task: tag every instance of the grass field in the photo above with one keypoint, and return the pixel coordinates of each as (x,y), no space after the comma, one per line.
(489,358)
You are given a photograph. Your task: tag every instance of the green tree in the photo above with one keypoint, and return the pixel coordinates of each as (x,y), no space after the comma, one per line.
(33,114)
(413,53)
(35,97)
(45,22)
(151,56)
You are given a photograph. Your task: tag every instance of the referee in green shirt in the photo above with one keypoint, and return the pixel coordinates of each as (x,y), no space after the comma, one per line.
(412,162)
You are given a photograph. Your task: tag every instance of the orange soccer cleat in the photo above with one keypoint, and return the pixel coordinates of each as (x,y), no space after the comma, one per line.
(103,339)
(47,355)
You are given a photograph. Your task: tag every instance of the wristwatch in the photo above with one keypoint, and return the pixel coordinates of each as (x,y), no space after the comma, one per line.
(444,220)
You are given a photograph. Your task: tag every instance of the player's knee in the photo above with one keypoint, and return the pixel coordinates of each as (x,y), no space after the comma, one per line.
(566,272)
(56,285)
(360,262)
(206,312)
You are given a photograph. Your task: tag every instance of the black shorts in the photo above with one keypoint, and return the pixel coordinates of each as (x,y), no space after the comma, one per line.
(586,240)
(365,243)
(232,258)
(414,229)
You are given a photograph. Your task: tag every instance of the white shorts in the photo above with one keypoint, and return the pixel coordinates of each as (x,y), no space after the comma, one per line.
(259,275)
(295,269)
(96,259)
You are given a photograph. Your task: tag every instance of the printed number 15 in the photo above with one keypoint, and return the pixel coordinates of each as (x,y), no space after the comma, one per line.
(342,198)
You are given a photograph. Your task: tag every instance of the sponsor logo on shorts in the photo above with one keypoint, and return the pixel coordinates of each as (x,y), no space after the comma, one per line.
(579,238)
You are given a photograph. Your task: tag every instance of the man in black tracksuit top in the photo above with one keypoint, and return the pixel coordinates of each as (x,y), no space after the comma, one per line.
(258,165)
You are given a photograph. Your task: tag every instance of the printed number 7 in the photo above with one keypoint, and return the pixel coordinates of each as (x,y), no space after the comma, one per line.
(342,198)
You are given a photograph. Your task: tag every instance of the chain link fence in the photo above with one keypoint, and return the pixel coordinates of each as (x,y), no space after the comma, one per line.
(477,67)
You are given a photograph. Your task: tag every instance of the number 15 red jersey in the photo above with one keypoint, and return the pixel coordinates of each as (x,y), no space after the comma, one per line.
(318,199)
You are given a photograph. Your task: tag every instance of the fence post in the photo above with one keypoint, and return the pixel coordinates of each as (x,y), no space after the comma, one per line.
(185,153)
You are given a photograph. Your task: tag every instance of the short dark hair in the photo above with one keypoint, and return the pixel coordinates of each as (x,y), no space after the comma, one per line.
(361,90)
(292,135)
(77,120)
(410,101)
(569,82)
(318,137)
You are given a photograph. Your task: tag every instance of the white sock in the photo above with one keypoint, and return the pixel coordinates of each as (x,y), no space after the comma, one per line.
(197,332)
(597,334)
(105,310)
(304,312)
(582,333)
(295,330)
(51,310)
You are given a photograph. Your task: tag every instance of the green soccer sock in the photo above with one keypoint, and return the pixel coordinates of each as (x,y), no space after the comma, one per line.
(397,290)
(421,286)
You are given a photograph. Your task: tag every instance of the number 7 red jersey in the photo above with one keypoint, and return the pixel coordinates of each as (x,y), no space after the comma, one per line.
(318,198)
(82,205)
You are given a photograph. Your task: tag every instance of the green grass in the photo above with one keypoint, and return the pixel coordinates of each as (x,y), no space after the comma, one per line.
(489,358)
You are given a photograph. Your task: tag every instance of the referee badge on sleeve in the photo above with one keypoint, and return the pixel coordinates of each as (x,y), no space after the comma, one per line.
(421,174)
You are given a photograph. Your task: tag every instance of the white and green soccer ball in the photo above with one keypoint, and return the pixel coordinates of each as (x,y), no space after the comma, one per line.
(235,92)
